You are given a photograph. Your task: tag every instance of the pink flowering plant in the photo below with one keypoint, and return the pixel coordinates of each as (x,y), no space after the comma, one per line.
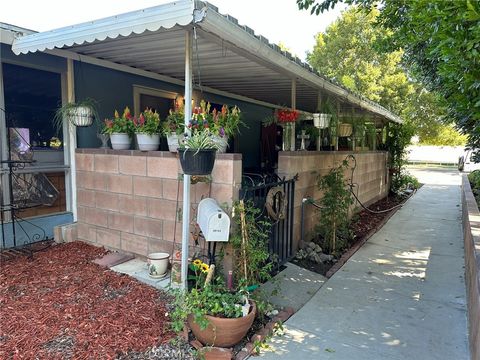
(224,123)
(175,121)
(119,124)
(147,123)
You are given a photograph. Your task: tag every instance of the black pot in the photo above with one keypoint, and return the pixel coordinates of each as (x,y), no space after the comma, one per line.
(197,162)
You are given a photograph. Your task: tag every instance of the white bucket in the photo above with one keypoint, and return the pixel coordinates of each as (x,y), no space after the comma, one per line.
(158,264)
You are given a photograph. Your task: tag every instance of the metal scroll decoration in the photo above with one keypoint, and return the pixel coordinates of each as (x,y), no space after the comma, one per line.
(276,203)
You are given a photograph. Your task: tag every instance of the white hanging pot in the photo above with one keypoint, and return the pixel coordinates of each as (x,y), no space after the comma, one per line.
(158,264)
(321,121)
(221,143)
(148,142)
(120,141)
(81,116)
(174,141)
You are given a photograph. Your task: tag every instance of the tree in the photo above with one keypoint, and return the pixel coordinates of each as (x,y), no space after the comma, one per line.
(348,53)
(441,44)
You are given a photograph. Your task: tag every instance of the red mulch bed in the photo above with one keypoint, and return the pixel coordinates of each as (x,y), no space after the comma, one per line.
(60,305)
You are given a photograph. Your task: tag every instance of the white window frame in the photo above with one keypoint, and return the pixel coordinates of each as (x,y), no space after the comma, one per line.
(66,167)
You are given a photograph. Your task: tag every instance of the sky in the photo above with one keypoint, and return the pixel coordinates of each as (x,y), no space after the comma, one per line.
(277,20)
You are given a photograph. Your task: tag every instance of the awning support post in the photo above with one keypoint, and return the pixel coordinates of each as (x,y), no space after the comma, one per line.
(70,134)
(294,107)
(186,178)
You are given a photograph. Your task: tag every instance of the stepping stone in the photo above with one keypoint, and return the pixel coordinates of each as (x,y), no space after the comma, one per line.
(112,259)
(138,269)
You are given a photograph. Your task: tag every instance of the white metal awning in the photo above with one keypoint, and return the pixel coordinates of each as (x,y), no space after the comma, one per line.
(227,56)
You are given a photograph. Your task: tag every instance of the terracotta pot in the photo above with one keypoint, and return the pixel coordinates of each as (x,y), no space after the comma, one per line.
(223,332)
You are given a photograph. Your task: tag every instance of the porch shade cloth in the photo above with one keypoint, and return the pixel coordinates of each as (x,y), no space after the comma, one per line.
(230,59)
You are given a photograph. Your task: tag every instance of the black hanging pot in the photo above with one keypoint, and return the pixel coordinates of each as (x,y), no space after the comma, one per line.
(197,162)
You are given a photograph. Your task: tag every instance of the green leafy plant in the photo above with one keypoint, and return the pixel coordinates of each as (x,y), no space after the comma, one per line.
(66,111)
(119,124)
(175,121)
(474,178)
(398,138)
(213,299)
(252,259)
(199,140)
(224,123)
(147,123)
(335,205)
(403,181)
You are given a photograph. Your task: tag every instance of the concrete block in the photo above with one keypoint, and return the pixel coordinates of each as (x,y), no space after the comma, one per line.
(106,163)
(133,165)
(147,186)
(122,184)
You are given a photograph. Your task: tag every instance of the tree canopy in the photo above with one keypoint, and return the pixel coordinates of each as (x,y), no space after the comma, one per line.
(348,53)
(441,47)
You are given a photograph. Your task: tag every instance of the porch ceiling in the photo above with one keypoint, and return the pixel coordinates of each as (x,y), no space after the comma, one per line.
(226,56)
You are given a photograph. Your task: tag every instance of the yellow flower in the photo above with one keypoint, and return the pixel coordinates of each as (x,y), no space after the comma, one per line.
(204,268)
(197,262)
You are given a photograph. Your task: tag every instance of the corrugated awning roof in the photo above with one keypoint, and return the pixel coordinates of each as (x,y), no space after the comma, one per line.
(227,56)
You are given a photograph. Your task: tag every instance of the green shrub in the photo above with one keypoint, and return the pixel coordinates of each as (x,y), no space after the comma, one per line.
(474,178)
(403,181)
(335,205)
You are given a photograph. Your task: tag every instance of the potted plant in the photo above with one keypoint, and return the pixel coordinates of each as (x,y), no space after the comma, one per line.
(226,123)
(223,124)
(147,130)
(81,113)
(120,129)
(216,315)
(345,129)
(173,127)
(197,153)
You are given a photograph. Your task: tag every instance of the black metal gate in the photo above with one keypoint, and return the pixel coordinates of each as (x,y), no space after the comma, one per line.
(281,234)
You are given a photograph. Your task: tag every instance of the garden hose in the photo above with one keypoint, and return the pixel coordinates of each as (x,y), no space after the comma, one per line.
(352,185)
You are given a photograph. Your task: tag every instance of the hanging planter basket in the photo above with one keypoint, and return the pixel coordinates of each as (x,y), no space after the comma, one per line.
(197,162)
(321,121)
(345,130)
(81,116)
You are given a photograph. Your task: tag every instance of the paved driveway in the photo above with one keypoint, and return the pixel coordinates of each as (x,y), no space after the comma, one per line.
(401,296)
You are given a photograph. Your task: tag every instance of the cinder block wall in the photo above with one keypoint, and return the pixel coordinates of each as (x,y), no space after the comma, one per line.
(127,199)
(471,228)
(371,175)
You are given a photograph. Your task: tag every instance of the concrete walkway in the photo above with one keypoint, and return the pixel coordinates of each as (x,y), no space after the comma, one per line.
(401,296)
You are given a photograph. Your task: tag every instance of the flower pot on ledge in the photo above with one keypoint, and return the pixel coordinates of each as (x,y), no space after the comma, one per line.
(148,142)
(120,141)
(197,162)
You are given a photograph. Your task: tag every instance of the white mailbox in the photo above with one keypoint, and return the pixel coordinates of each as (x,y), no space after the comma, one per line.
(213,221)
